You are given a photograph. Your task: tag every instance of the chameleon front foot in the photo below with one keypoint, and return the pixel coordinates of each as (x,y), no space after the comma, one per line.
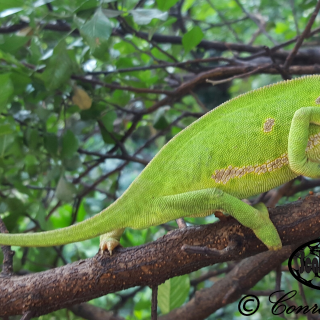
(109,241)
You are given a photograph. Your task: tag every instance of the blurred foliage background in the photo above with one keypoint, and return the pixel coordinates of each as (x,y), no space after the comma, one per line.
(90,91)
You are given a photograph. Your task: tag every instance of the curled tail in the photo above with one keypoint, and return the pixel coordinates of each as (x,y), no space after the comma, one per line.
(105,221)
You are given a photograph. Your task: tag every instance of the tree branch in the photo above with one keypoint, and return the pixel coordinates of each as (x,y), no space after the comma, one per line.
(223,72)
(229,289)
(91,312)
(159,38)
(7,267)
(304,35)
(150,264)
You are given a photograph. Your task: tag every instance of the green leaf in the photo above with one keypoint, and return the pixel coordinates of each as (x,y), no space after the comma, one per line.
(107,138)
(73,163)
(97,30)
(87,5)
(108,119)
(165,5)
(59,68)
(69,144)
(94,112)
(102,52)
(192,38)
(173,293)
(11,60)
(35,51)
(120,97)
(124,48)
(159,121)
(81,212)
(112,13)
(6,4)
(6,89)
(65,190)
(5,129)
(51,143)
(33,139)
(19,81)
(6,141)
(12,43)
(106,126)
(32,165)
(63,217)
(144,16)
(16,208)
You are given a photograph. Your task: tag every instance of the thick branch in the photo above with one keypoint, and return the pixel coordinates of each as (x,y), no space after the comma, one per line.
(91,312)
(229,289)
(150,264)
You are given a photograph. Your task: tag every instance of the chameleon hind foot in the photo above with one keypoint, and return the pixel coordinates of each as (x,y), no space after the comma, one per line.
(267,232)
(201,203)
(109,241)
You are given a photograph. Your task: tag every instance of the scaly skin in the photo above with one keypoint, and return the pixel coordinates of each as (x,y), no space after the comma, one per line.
(248,145)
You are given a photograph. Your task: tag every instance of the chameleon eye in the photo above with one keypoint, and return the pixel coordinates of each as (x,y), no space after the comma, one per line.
(318,100)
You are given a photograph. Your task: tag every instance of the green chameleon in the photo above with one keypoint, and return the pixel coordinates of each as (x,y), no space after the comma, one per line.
(248,145)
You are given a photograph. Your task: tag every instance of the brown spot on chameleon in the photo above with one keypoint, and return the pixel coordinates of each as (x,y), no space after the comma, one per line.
(268,125)
(317,100)
(224,175)
(313,141)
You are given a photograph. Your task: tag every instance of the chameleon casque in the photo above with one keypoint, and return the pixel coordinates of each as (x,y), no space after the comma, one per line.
(248,145)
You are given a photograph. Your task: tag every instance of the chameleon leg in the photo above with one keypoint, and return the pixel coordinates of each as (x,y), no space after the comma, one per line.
(110,240)
(298,141)
(208,200)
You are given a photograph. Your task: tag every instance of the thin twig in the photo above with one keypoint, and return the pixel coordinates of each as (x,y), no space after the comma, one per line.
(273,200)
(165,65)
(284,74)
(181,223)
(294,13)
(278,285)
(304,35)
(256,21)
(301,290)
(210,274)
(118,87)
(103,157)
(240,75)
(27,315)
(225,21)
(154,303)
